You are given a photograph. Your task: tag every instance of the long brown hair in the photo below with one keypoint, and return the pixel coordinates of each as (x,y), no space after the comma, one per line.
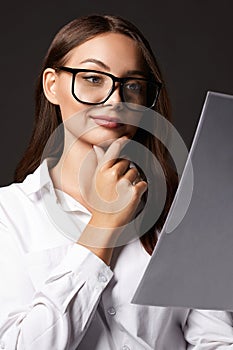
(48,116)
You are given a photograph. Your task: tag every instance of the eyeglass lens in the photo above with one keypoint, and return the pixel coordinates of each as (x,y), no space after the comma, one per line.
(91,87)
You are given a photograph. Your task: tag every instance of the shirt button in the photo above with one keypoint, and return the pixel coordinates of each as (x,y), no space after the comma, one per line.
(2,345)
(102,278)
(111,311)
(125,347)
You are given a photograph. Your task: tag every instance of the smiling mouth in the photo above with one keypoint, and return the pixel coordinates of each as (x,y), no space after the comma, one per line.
(107,122)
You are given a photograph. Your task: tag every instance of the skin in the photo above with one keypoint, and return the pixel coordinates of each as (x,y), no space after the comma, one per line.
(91,150)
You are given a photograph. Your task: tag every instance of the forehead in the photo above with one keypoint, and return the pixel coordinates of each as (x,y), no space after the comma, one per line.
(117,51)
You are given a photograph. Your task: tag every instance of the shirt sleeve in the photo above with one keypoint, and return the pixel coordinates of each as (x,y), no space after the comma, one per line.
(56,315)
(209,330)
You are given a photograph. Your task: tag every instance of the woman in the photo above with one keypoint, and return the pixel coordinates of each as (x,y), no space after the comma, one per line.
(98,79)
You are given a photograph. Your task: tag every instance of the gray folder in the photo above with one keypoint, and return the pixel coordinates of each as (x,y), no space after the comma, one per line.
(192,264)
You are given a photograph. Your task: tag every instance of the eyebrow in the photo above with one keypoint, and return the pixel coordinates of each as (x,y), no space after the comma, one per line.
(104,66)
(99,63)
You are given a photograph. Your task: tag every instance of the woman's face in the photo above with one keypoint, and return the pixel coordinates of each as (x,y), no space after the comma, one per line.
(112,53)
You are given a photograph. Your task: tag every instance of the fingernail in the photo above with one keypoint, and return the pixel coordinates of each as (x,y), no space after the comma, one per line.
(125,156)
(124,138)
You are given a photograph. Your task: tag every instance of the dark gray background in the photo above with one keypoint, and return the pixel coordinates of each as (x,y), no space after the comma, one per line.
(192,41)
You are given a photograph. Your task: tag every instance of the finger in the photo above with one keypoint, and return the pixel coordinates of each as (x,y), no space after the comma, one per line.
(99,153)
(132,174)
(112,154)
(141,187)
(121,166)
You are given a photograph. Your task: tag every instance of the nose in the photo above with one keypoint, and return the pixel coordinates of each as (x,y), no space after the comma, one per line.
(116,95)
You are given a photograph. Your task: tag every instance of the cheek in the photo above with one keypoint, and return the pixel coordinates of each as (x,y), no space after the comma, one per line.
(68,105)
(68,108)
(135,120)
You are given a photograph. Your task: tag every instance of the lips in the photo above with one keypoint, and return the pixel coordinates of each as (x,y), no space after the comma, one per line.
(107,122)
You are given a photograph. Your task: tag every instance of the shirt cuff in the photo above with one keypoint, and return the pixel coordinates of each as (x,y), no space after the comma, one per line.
(80,267)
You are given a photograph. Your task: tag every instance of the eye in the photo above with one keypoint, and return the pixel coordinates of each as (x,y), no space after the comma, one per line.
(134,86)
(94,79)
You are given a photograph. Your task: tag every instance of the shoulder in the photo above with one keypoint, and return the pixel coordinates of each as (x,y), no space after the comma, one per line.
(14,195)
(11,196)
(17,200)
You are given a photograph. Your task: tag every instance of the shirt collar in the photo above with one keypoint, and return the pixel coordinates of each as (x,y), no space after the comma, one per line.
(40,179)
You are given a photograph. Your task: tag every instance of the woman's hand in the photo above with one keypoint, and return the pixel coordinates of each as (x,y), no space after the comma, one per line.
(112,191)
(115,189)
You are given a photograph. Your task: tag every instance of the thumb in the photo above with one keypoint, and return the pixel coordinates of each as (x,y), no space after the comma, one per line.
(99,152)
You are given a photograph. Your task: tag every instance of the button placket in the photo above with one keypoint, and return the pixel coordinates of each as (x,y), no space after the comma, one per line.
(102,277)
(111,311)
(125,347)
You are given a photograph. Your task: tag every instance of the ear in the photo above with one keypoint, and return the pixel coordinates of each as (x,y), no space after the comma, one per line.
(49,85)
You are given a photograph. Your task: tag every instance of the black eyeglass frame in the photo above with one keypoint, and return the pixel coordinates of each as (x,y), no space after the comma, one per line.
(115,79)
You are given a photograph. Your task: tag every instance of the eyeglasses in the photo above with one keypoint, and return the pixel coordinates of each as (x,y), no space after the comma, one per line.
(94,87)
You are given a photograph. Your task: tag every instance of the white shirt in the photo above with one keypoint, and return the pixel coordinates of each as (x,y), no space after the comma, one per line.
(56,294)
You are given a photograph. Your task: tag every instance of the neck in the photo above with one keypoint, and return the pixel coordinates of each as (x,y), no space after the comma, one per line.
(68,173)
